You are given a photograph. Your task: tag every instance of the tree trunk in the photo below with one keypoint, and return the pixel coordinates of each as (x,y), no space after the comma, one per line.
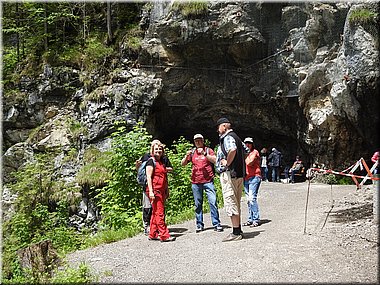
(109,24)
(38,257)
(45,28)
(18,33)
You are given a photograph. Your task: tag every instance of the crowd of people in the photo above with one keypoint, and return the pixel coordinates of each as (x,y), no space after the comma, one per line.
(240,166)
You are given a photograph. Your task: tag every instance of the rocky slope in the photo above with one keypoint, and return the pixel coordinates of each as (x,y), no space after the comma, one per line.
(301,77)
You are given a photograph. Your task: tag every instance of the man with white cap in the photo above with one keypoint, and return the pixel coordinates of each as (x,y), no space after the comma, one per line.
(252,183)
(231,165)
(202,178)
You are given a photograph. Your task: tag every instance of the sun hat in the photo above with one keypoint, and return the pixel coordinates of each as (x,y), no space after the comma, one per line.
(248,140)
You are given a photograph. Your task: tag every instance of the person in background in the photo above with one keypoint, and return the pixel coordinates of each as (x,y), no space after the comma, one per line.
(296,168)
(275,162)
(252,183)
(157,191)
(230,162)
(202,178)
(375,159)
(264,164)
(146,205)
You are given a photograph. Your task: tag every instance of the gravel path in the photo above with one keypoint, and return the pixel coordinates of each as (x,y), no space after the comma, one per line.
(340,244)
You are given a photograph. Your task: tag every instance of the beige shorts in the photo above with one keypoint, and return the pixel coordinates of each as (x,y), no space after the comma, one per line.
(232,190)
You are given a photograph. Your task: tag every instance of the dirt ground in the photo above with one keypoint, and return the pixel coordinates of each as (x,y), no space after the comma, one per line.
(334,241)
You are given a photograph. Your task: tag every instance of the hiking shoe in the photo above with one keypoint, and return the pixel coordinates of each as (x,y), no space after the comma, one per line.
(150,238)
(232,237)
(198,229)
(168,239)
(218,228)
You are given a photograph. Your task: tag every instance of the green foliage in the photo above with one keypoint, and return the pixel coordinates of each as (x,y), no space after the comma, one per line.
(133,37)
(181,196)
(329,179)
(76,129)
(362,16)
(70,55)
(94,171)
(40,214)
(344,180)
(95,53)
(9,63)
(61,33)
(191,8)
(111,235)
(121,198)
(336,180)
(70,275)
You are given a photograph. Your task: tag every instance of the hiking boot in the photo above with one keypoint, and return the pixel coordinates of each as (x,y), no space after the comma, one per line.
(198,229)
(150,238)
(232,237)
(218,228)
(168,239)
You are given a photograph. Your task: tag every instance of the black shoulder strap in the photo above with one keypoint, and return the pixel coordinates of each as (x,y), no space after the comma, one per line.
(222,147)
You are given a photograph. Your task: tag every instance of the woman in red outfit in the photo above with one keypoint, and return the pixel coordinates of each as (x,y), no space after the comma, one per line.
(157,190)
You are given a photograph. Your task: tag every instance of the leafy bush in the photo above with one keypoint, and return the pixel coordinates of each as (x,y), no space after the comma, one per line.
(121,198)
(9,62)
(40,214)
(73,276)
(95,53)
(181,195)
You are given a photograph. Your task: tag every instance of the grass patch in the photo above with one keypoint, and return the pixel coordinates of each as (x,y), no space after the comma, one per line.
(362,16)
(193,8)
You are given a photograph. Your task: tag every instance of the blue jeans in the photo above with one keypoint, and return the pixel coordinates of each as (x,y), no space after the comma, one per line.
(292,172)
(264,172)
(251,189)
(198,200)
(275,174)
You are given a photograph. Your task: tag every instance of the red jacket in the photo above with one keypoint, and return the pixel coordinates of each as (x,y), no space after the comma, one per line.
(375,157)
(253,164)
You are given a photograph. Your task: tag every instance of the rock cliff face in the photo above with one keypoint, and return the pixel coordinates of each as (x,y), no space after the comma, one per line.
(300,77)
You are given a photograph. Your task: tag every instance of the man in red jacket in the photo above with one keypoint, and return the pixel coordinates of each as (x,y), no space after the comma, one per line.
(202,178)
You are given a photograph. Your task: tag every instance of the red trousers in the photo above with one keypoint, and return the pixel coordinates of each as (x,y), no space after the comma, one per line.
(157,221)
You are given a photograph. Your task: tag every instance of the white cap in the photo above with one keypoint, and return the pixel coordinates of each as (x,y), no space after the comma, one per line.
(248,140)
(198,136)
(273,149)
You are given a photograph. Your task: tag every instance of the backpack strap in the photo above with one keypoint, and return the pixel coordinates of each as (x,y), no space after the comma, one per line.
(154,161)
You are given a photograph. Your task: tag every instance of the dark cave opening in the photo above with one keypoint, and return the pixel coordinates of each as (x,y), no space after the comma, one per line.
(169,122)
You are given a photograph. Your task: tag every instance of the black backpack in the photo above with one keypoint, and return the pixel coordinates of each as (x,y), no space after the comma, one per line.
(141,172)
